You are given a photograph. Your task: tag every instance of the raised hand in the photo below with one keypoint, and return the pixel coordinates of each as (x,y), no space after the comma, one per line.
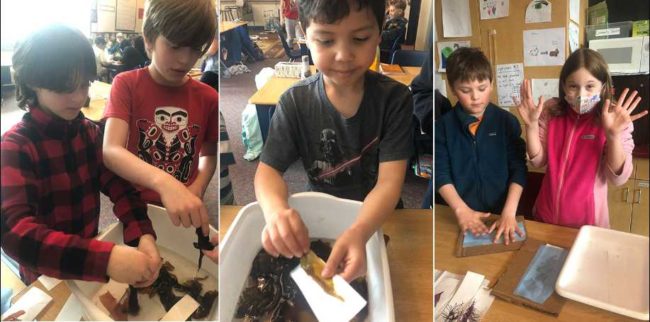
(527,109)
(616,117)
(285,234)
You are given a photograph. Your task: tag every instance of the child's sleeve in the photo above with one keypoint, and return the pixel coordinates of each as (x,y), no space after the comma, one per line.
(119,100)
(442,169)
(539,160)
(628,146)
(281,149)
(27,239)
(397,137)
(516,153)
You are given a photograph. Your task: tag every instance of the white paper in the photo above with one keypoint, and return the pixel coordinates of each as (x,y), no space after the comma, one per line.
(574,36)
(645,55)
(455,18)
(547,87)
(538,11)
(544,47)
(574,10)
(445,48)
(49,282)
(32,302)
(181,310)
(444,290)
(325,306)
(483,301)
(440,84)
(465,294)
(509,78)
(71,310)
(492,9)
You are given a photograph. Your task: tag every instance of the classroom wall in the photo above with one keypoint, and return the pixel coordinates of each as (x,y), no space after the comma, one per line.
(426,19)
(259,7)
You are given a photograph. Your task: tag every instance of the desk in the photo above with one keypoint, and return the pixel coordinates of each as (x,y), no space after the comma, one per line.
(493,265)
(98,92)
(59,294)
(225,26)
(409,257)
(268,96)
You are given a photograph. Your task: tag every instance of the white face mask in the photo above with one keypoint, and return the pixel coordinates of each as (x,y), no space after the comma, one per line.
(583,104)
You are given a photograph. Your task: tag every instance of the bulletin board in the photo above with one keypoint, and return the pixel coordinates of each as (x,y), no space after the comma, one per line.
(125,15)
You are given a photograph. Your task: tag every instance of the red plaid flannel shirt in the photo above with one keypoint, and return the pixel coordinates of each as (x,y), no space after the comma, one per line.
(52,173)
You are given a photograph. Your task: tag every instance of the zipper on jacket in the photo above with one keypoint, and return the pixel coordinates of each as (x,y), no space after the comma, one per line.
(563,170)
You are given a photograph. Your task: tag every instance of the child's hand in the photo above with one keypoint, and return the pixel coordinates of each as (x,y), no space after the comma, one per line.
(349,254)
(129,265)
(507,225)
(527,109)
(285,234)
(615,118)
(468,219)
(213,254)
(147,245)
(183,206)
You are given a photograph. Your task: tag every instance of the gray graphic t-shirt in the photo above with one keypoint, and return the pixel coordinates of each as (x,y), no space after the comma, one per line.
(341,155)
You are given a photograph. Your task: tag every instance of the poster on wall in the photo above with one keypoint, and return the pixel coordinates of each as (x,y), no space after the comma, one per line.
(544,47)
(509,78)
(445,48)
(455,19)
(492,9)
(546,87)
(538,11)
(574,10)
(574,36)
(125,15)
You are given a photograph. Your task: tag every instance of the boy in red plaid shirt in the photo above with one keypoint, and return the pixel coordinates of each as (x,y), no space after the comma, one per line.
(52,173)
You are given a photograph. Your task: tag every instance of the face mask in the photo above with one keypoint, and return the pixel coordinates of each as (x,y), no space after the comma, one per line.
(583,104)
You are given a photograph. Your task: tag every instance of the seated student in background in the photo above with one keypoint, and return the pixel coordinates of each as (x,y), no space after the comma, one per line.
(351,128)
(100,58)
(395,25)
(583,137)
(52,173)
(422,88)
(132,58)
(480,162)
(161,127)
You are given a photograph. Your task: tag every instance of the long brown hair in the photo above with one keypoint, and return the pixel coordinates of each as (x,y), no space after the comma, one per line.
(595,64)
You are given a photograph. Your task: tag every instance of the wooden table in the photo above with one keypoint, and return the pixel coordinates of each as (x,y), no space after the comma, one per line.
(59,294)
(99,92)
(409,257)
(225,26)
(268,96)
(493,265)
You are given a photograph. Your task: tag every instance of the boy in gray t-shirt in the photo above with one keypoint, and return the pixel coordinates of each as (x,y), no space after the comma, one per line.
(350,127)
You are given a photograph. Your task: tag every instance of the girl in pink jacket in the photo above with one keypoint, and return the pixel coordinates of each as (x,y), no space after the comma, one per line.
(583,137)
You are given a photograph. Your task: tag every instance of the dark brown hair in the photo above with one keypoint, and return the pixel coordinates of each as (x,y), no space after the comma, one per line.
(56,58)
(185,23)
(596,65)
(468,64)
(331,11)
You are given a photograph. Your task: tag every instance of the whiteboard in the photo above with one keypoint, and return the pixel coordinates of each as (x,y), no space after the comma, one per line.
(125,15)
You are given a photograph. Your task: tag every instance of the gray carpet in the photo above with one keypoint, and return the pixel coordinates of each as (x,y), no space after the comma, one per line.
(233,97)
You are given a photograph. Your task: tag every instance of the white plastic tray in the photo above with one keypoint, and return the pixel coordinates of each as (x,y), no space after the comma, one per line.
(177,239)
(326,217)
(607,269)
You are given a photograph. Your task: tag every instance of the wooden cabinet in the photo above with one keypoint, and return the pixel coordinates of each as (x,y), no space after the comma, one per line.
(628,204)
(640,210)
(620,206)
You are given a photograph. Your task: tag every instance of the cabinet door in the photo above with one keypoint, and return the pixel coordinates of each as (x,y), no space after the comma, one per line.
(620,206)
(641,168)
(640,207)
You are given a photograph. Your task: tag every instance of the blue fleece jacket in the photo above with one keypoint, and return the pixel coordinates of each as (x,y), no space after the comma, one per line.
(480,167)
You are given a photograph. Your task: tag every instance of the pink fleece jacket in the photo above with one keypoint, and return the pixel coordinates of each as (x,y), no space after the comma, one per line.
(574,189)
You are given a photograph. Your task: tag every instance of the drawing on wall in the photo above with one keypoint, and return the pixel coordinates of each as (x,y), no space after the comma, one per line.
(538,283)
(456,19)
(470,240)
(509,78)
(538,11)
(544,47)
(574,36)
(445,48)
(492,9)
(546,87)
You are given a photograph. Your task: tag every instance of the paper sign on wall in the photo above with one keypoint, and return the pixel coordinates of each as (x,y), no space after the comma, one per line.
(547,87)
(445,48)
(509,78)
(574,34)
(538,11)
(544,47)
(455,18)
(492,9)
(574,10)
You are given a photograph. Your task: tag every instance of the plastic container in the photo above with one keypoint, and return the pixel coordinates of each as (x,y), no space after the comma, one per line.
(325,217)
(609,30)
(607,269)
(179,240)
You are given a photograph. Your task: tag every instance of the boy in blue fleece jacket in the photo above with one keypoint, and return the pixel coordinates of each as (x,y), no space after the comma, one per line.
(480,161)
